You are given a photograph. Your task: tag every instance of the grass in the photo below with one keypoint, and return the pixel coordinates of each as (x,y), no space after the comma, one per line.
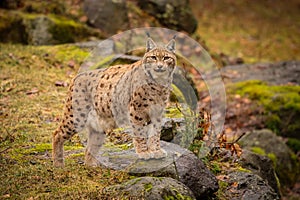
(31,105)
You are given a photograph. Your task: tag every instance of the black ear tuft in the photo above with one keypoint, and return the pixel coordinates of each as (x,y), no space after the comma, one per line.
(171,45)
(148,34)
(150,44)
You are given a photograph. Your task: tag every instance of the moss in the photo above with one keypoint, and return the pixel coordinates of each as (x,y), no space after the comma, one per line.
(262,152)
(281,104)
(37,29)
(294,144)
(222,188)
(241,169)
(42,147)
(117,147)
(136,180)
(258,151)
(178,196)
(66,30)
(176,95)
(272,157)
(215,167)
(173,112)
(76,155)
(66,52)
(148,187)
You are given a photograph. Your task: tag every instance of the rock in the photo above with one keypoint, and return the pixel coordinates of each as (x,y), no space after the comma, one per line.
(109,16)
(247,186)
(11,4)
(191,171)
(149,188)
(261,166)
(174,14)
(170,128)
(36,29)
(180,164)
(279,73)
(266,142)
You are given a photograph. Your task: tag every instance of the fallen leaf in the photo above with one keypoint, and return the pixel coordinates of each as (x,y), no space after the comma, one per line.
(71,64)
(235,184)
(32,91)
(222,177)
(61,83)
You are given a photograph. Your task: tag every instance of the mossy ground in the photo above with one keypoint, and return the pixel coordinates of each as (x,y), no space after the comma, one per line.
(31,105)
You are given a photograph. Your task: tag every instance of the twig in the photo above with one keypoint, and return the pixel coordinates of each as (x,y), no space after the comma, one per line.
(239,137)
(4,150)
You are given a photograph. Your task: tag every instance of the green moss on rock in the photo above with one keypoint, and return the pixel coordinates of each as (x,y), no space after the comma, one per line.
(294,144)
(281,103)
(40,29)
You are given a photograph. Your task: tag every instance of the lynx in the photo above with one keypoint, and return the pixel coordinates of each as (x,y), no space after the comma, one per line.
(132,94)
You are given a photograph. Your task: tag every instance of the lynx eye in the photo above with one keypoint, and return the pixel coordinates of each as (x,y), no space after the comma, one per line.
(153,57)
(167,58)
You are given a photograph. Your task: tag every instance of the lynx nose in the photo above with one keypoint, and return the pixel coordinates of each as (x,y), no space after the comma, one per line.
(159,66)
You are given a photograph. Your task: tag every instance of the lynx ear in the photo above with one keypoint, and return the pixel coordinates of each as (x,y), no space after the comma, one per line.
(150,44)
(171,46)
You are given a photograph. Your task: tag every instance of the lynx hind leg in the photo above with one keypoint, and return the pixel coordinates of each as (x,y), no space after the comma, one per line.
(64,132)
(154,147)
(73,121)
(96,137)
(141,148)
(58,149)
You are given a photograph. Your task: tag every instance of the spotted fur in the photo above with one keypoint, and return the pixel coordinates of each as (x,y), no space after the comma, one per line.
(134,95)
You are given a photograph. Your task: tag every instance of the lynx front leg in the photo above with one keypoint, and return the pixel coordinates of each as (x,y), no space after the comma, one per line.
(141,149)
(154,147)
(95,141)
(96,136)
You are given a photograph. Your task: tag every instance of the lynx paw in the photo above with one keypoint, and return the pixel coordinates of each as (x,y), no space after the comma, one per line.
(90,160)
(159,154)
(59,163)
(144,155)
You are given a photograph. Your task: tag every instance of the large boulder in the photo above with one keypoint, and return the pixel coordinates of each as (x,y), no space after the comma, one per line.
(180,164)
(38,29)
(174,14)
(149,188)
(265,142)
(261,165)
(109,16)
(247,186)
(191,171)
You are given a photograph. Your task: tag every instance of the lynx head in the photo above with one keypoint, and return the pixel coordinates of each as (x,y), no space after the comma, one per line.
(159,62)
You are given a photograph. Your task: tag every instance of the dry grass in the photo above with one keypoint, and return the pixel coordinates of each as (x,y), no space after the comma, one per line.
(31,104)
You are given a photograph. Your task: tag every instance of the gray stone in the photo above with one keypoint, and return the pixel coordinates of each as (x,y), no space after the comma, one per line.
(107,15)
(279,73)
(248,186)
(174,14)
(36,29)
(180,164)
(191,171)
(285,161)
(149,188)
(262,166)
